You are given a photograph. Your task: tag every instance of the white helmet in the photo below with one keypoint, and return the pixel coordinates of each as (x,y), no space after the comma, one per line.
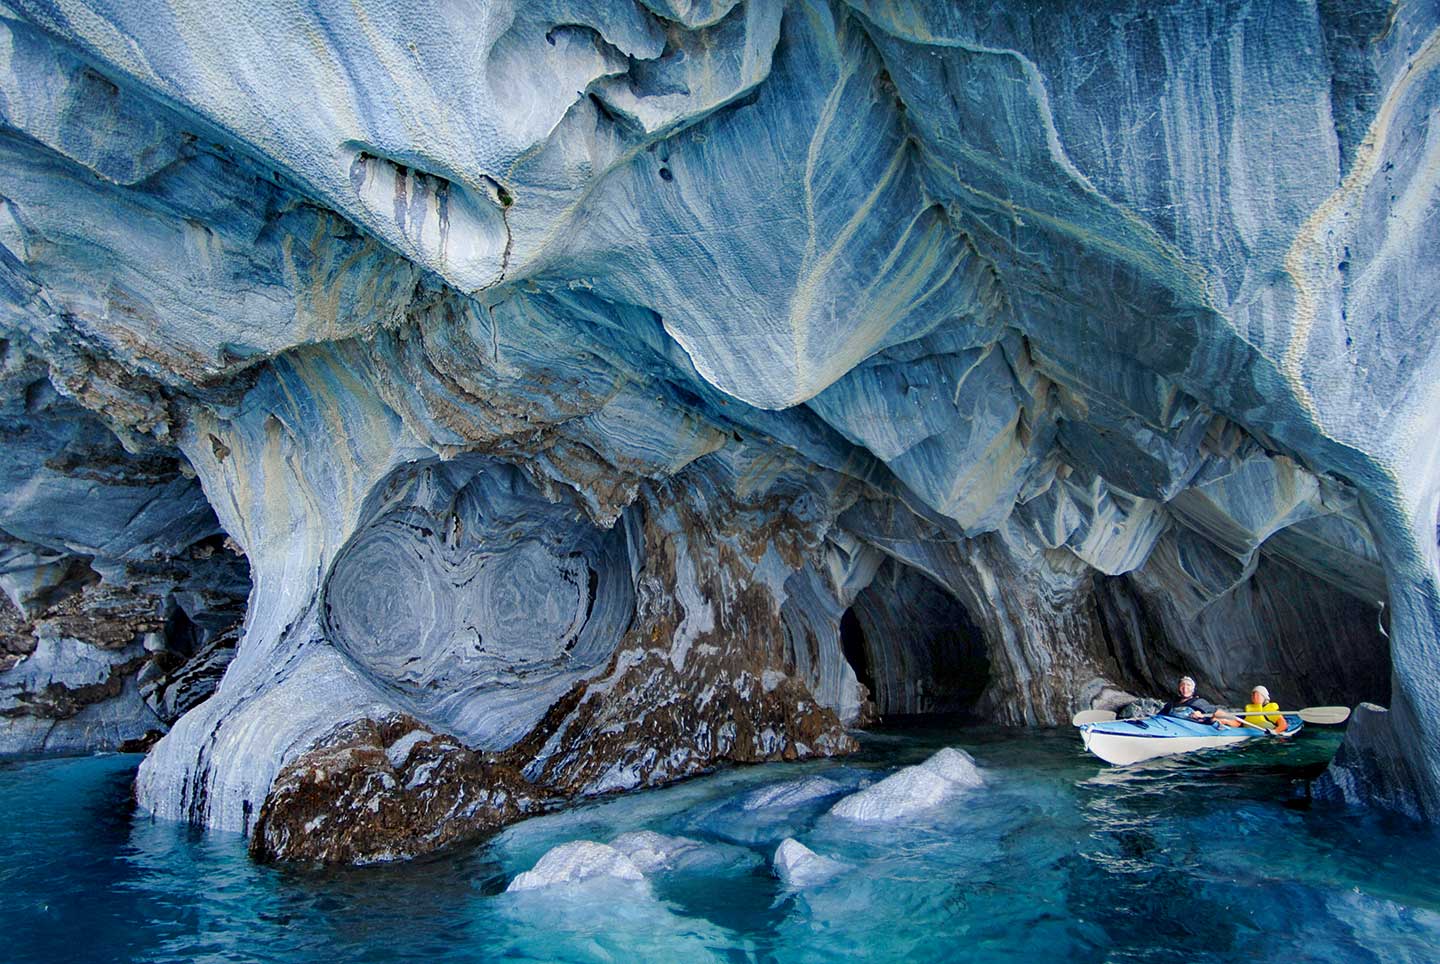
(1264,693)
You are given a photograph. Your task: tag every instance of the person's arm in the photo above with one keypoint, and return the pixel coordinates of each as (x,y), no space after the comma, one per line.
(1223,717)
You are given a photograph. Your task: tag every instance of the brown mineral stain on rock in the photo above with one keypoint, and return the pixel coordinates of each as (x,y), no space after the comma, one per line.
(655,716)
(105,616)
(386,790)
(141,744)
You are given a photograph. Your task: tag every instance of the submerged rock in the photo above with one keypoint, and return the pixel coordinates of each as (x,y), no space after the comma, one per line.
(577,861)
(781,796)
(650,851)
(798,866)
(913,789)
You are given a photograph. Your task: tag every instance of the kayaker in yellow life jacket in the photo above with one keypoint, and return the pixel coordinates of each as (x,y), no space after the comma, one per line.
(1260,703)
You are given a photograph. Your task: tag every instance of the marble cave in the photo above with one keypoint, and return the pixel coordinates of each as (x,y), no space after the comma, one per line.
(421,416)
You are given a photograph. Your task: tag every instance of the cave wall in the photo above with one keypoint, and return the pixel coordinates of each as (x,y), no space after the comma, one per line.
(121,599)
(1113,330)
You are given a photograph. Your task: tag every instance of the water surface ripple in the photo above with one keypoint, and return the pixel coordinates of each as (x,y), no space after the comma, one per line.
(1057,857)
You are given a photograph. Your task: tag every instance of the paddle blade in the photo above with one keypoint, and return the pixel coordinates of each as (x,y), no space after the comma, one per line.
(1092,716)
(1324,714)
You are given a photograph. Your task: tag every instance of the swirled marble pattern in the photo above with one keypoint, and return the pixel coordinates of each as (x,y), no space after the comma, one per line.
(476,601)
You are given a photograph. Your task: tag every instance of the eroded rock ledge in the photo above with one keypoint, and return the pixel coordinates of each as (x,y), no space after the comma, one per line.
(615,391)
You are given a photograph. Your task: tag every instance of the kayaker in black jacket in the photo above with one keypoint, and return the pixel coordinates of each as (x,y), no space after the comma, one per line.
(1189,706)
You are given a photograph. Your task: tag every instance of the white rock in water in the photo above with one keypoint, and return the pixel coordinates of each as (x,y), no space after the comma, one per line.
(798,866)
(957,766)
(650,851)
(576,861)
(791,793)
(912,789)
(653,852)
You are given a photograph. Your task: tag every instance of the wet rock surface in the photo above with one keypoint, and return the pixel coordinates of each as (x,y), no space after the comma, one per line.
(798,866)
(1372,766)
(627,391)
(912,790)
(380,791)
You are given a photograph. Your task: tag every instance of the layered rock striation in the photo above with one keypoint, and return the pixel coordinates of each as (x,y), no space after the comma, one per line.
(606,392)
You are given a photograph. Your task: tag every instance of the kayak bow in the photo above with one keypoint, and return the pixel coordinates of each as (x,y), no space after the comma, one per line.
(1130,741)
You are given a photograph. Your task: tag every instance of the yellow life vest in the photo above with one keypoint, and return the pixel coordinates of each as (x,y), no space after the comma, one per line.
(1275,721)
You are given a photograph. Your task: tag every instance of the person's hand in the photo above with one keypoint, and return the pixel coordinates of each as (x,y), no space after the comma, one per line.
(1197,715)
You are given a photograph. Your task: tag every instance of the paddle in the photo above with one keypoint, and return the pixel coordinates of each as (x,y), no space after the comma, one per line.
(1312,714)
(1092,716)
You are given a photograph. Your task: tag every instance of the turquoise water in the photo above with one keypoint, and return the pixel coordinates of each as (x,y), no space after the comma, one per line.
(1058,858)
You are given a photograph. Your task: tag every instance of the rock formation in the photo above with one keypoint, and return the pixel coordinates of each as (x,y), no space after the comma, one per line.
(912,790)
(576,862)
(799,867)
(606,391)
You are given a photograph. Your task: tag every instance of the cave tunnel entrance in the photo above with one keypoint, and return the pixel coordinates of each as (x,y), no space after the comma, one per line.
(181,634)
(1307,639)
(853,646)
(914,646)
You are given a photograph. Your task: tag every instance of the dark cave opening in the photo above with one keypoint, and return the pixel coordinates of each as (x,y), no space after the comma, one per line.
(915,646)
(182,636)
(1299,635)
(852,645)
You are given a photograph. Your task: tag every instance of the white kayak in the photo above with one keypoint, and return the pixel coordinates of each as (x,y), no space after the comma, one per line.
(1130,741)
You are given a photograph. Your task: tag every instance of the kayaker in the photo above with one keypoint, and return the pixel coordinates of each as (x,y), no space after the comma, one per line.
(1189,706)
(1260,703)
